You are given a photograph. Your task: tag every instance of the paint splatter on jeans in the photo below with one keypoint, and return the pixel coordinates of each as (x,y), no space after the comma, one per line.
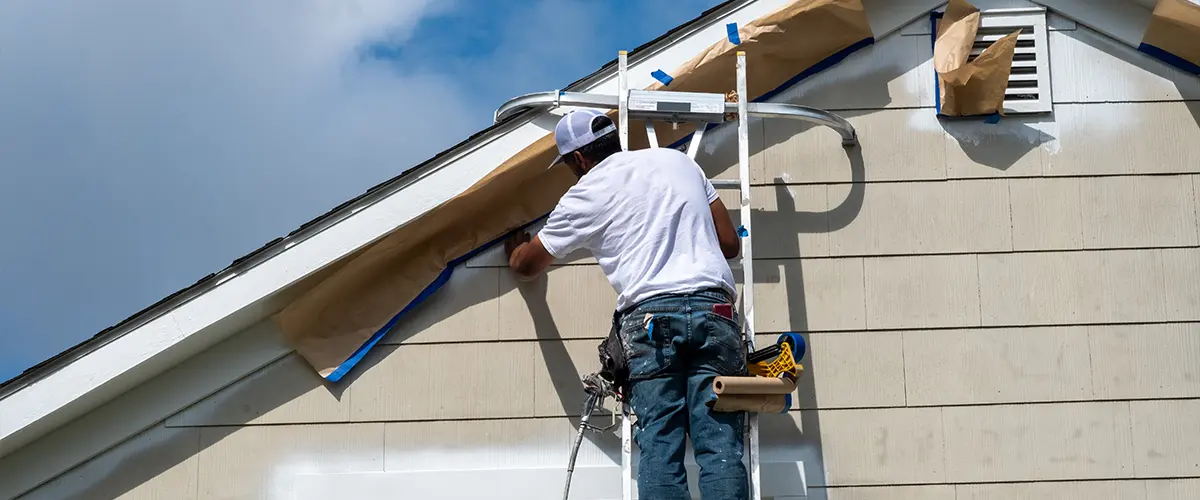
(676,346)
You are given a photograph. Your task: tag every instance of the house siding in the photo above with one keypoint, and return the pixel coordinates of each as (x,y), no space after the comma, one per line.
(993,312)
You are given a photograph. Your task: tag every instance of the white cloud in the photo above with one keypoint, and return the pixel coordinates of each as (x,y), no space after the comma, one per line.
(145,143)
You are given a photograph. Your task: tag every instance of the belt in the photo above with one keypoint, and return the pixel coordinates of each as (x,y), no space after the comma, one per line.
(716,290)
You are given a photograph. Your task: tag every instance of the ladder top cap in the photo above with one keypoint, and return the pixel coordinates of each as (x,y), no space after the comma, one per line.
(740,52)
(623,52)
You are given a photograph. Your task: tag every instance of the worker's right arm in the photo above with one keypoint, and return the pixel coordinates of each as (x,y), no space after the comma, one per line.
(727,236)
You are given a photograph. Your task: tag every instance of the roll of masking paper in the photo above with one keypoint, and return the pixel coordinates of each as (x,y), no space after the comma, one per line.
(752,385)
(760,403)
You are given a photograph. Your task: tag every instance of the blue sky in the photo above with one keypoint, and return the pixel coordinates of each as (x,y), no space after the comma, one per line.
(147,143)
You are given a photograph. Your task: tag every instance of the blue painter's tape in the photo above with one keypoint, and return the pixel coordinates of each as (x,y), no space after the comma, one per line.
(743,232)
(825,64)
(661,76)
(734,37)
(442,278)
(990,119)
(788,405)
(650,331)
(937,83)
(1169,58)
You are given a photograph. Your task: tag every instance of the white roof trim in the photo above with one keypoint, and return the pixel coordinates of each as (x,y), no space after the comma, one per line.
(1125,21)
(169,334)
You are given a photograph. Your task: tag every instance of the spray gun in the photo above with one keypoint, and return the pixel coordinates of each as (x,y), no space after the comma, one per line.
(597,389)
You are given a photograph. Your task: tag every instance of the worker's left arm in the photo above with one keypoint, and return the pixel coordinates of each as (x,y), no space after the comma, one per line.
(527,257)
(561,235)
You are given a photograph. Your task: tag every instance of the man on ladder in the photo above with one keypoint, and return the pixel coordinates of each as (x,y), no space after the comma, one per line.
(662,236)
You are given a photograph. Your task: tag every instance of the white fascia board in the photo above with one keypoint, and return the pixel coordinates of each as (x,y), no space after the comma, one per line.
(1125,21)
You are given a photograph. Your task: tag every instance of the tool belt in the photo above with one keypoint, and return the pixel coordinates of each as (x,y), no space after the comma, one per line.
(614,359)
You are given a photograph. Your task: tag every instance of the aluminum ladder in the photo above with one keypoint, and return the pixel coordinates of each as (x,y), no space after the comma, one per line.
(545,101)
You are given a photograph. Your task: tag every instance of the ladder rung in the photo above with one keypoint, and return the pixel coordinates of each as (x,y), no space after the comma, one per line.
(726,183)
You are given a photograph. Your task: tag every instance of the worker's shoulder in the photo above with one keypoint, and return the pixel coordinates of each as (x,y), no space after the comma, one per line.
(657,155)
(662,152)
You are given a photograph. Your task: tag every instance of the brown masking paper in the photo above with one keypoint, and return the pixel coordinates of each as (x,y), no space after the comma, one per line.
(760,403)
(975,87)
(752,385)
(1175,28)
(330,322)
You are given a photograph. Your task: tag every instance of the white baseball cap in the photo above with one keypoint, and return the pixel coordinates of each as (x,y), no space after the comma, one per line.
(574,131)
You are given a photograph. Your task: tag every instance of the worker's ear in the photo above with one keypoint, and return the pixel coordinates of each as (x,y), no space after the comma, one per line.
(576,164)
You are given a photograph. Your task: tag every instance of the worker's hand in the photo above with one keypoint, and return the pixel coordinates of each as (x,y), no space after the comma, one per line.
(516,240)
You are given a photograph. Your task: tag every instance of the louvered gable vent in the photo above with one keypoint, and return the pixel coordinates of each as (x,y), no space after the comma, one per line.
(1029,85)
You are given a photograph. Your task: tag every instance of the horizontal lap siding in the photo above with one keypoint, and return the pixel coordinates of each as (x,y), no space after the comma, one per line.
(992,312)
(261,461)
(157,463)
(1114,446)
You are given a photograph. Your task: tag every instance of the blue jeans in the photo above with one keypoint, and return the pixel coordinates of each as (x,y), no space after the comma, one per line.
(676,346)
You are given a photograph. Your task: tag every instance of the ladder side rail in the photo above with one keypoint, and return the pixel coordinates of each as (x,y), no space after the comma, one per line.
(651,133)
(747,261)
(626,424)
(623,99)
(697,136)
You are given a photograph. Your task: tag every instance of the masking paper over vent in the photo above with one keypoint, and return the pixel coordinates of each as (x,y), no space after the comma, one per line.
(969,84)
(338,320)
(1174,34)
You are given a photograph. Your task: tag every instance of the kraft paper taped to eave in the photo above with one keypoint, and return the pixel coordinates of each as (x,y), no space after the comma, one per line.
(1174,31)
(970,87)
(332,322)
(760,403)
(752,385)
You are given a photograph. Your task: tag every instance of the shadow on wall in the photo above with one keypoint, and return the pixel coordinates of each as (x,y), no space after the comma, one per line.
(789,438)
(867,92)
(1002,144)
(564,375)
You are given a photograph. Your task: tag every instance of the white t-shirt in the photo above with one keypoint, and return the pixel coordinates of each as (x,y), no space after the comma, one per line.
(645,216)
